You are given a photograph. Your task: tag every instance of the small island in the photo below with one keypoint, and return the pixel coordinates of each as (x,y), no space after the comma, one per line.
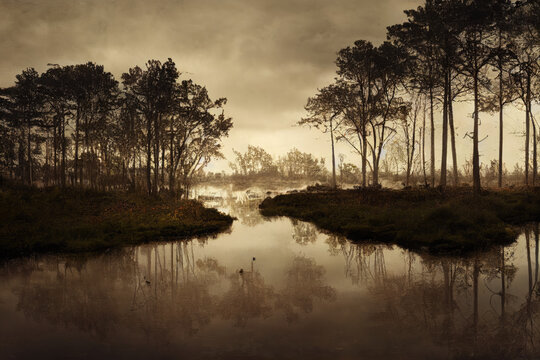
(75,220)
(455,221)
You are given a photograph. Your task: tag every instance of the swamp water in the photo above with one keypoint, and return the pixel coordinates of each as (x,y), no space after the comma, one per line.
(272,289)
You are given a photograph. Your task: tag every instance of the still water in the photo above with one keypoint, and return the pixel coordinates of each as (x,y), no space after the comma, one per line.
(272,289)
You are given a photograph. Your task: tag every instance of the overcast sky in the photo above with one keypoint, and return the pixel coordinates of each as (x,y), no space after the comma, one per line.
(266,56)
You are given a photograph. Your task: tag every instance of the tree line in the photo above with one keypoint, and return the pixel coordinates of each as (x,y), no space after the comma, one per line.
(483,52)
(257,162)
(76,125)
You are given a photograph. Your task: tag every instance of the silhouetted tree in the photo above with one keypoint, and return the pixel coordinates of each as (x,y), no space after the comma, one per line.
(96,134)
(324,113)
(153,90)
(525,48)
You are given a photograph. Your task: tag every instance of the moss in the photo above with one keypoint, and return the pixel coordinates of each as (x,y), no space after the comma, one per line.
(454,221)
(45,220)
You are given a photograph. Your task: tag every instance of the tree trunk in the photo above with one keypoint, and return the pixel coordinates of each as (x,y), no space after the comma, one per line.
(29,150)
(364,154)
(534,154)
(411,147)
(424,145)
(501,119)
(47,174)
(432,137)
(22,157)
(452,130)
(149,154)
(444,154)
(171,161)
(134,172)
(163,164)
(476,155)
(527,130)
(63,163)
(55,151)
(334,185)
(156,152)
(77,118)
(375,157)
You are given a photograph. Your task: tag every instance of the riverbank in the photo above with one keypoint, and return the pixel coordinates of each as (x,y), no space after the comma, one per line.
(454,221)
(74,220)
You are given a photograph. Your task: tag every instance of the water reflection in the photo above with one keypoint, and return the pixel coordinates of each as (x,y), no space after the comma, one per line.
(304,283)
(304,233)
(468,305)
(161,290)
(274,289)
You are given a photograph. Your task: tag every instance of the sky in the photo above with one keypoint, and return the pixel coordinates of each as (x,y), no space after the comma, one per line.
(265,56)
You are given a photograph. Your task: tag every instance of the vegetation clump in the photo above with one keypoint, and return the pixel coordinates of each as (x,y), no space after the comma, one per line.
(453,221)
(75,220)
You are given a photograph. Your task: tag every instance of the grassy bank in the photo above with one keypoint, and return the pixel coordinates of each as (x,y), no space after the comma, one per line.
(45,220)
(455,221)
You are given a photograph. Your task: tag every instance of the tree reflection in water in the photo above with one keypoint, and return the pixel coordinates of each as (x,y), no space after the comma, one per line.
(463,304)
(162,290)
(248,297)
(304,233)
(304,283)
(486,305)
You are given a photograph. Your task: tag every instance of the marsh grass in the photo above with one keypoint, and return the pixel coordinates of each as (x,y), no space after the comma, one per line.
(453,221)
(74,220)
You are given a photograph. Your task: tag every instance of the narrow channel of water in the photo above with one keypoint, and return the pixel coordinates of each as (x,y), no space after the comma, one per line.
(272,289)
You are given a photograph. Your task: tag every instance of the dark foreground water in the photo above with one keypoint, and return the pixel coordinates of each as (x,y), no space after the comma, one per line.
(307,295)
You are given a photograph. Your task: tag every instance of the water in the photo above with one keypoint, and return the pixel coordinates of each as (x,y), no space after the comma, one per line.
(307,295)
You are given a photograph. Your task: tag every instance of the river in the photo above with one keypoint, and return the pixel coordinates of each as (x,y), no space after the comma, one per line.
(272,289)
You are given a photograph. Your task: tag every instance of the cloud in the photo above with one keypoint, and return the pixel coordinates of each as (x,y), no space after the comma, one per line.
(266,57)
(263,55)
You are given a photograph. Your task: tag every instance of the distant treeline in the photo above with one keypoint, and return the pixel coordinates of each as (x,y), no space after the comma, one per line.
(77,126)
(256,162)
(485,52)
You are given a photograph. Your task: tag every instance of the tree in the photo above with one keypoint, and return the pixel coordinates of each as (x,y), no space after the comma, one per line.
(420,38)
(505,91)
(255,161)
(371,79)
(153,90)
(356,66)
(408,125)
(525,68)
(474,55)
(324,111)
(55,84)
(348,173)
(195,130)
(93,134)
(299,165)
(94,92)
(23,112)
(390,69)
